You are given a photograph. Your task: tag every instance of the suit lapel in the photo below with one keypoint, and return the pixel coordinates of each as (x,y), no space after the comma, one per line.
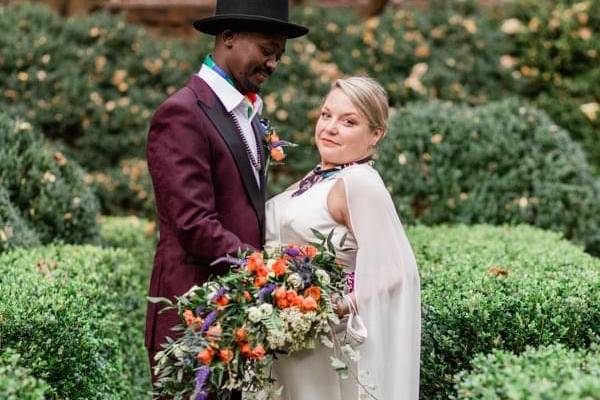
(259,134)
(227,129)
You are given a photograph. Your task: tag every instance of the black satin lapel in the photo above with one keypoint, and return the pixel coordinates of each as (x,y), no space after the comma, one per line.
(228,131)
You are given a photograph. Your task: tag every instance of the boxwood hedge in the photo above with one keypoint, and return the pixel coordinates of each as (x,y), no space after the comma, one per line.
(486,288)
(42,188)
(14,230)
(73,315)
(504,162)
(548,372)
(16,381)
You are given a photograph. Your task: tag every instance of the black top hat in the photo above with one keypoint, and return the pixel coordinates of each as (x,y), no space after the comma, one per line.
(251,15)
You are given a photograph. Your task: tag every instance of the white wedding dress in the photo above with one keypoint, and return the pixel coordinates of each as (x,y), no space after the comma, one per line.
(387,289)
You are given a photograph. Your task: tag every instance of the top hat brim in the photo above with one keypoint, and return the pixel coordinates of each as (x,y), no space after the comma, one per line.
(250,23)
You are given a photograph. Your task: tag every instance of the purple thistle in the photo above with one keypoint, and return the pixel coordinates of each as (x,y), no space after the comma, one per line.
(221,292)
(292,251)
(208,321)
(265,291)
(201,377)
(199,310)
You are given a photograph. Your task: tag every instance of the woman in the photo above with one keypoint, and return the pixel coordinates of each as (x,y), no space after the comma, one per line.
(346,194)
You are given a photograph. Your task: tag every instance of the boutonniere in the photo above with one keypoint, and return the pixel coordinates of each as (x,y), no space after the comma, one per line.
(275,145)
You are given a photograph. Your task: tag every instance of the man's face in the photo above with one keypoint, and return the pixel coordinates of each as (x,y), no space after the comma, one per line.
(253,57)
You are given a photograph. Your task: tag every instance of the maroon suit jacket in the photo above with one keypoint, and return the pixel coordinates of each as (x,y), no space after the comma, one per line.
(207,198)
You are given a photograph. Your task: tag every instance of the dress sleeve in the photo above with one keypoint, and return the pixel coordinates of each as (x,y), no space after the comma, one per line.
(387,288)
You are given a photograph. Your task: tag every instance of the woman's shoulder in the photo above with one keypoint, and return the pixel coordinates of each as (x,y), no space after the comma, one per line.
(362,175)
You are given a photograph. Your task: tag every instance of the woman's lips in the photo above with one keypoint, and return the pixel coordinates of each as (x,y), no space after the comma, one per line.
(329,142)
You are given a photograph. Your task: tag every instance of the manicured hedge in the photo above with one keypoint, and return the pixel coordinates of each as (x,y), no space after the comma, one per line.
(500,163)
(14,230)
(46,189)
(489,288)
(16,381)
(549,372)
(556,53)
(71,313)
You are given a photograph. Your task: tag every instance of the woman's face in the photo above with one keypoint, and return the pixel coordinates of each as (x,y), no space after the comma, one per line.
(342,133)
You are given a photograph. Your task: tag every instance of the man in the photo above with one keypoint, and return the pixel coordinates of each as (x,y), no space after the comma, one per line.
(206,156)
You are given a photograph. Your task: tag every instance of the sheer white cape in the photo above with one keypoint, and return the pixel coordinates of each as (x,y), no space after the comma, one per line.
(387,287)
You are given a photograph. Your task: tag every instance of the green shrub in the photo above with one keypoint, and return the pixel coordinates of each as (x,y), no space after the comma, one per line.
(93,83)
(487,288)
(14,231)
(71,313)
(45,187)
(16,381)
(551,372)
(556,52)
(500,163)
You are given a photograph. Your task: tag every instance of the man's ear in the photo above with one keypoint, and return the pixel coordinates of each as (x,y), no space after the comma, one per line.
(228,37)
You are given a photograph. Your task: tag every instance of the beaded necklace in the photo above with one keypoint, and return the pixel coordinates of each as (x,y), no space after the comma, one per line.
(319,174)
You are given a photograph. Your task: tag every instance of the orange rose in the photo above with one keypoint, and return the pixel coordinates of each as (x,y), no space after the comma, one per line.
(240,335)
(277,154)
(309,304)
(226,355)
(291,295)
(313,292)
(309,251)
(254,260)
(262,270)
(297,302)
(279,293)
(245,349)
(258,352)
(279,267)
(282,303)
(260,281)
(206,356)
(222,301)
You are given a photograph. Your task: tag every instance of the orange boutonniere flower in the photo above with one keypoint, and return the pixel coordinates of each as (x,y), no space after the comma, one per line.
(277,154)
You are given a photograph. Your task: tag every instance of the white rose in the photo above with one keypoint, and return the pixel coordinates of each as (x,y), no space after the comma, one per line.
(266,309)
(254,314)
(323,277)
(295,281)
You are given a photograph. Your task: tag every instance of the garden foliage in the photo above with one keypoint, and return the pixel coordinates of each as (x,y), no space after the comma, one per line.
(43,194)
(504,162)
(16,381)
(486,288)
(74,315)
(548,372)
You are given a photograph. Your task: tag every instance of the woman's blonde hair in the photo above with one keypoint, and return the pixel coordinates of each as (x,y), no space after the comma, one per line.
(368,96)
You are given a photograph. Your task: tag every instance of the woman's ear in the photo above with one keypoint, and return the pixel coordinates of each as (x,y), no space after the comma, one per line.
(377,135)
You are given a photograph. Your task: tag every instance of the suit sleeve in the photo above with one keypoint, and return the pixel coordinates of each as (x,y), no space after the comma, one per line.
(179,160)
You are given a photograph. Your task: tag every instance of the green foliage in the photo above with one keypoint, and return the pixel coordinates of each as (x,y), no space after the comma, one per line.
(71,313)
(93,83)
(16,381)
(14,230)
(487,288)
(550,372)
(500,163)
(44,192)
(137,235)
(556,53)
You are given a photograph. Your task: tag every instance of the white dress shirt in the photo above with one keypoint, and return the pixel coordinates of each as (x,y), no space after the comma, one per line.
(235,103)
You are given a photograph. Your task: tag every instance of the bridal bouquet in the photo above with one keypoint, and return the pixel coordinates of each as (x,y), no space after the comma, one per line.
(276,301)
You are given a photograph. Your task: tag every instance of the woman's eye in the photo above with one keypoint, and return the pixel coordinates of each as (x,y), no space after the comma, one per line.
(324,115)
(350,122)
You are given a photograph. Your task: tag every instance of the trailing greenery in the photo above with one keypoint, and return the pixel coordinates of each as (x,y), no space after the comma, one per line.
(71,313)
(549,372)
(490,288)
(43,194)
(16,381)
(504,162)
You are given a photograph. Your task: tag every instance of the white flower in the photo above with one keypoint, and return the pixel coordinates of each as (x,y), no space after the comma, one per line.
(511,26)
(323,277)
(266,310)
(254,314)
(590,110)
(295,280)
